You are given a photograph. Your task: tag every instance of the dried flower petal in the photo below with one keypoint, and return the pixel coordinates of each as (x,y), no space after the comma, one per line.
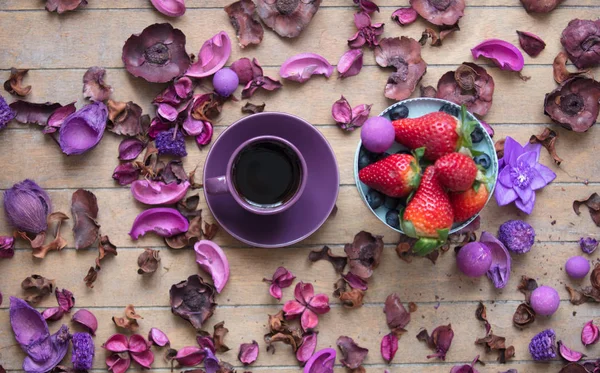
(499,271)
(7,247)
(84,208)
(130,148)
(568,354)
(307,347)
(397,317)
(38,285)
(53,314)
(476,97)
(87,319)
(367,33)
(573,368)
(588,244)
(287,18)
(32,113)
(548,140)
(321,362)
(6,113)
(282,278)
(126,173)
(83,351)
(158,337)
(83,130)
(524,315)
(593,205)
(157,192)
(581,40)
(481,315)
(468,368)
(364,254)
(505,55)
(352,354)
(560,68)
(125,323)
(248,353)
(250,108)
(14,83)
(61,6)
(170,8)
(190,356)
(211,258)
(589,334)
(446,12)
(574,104)
(125,118)
(404,16)
(350,63)
(243,18)
(355,282)
(389,346)
(57,118)
(338,262)
(540,6)
(440,340)
(26,206)
(307,305)
(532,44)
(367,6)
(148,261)
(193,300)
(542,345)
(352,299)
(213,55)
(301,67)
(94,86)
(65,299)
(163,221)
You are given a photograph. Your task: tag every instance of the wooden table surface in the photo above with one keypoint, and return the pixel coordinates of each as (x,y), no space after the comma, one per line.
(58,50)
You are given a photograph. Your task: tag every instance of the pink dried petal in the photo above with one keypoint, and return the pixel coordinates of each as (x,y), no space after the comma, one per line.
(130,148)
(57,118)
(137,343)
(355,282)
(163,221)
(206,342)
(30,112)
(488,129)
(531,43)
(287,18)
(275,291)
(389,346)
(94,86)
(7,247)
(404,16)
(190,356)
(589,334)
(309,320)
(263,82)
(212,56)
(118,363)
(248,29)
(87,319)
(170,8)
(126,173)
(353,354)
(211,258)
(53,314)
(206,135)
(302,66)
(341,111)
(65,299)
(293,308)
(157,192)
(321,362)
(303,292)
(158,337)
(283,277)
(505,55)
(167,112)
(116,343)
(247,70)
(307,348)
(144,359)
(319,304)
(446,12)
(568,354)
(61,6)
(350,63)
(367,6)
(360,114)
(248,353)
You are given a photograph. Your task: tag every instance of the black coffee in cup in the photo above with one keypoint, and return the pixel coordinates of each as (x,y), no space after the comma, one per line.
(267,173)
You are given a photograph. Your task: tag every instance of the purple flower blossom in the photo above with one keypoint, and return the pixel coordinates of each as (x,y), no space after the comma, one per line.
(282,278)
(543,345)
(521,175)
(588,244)
(83,351)
(367,33)
(166,143)
(6,113)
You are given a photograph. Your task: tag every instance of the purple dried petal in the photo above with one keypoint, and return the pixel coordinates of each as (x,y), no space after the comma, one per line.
(55,351)
(321,362)
(170,8)
(446,12)
(94,86)
(206,342)
(31,113)
(389,346)
(126,173)
(588,244)
(163,221)
(30,329)
(589,334)
(355,282)
(166,143)
(190,356)
(87,319)
(540,6)
(61,6)
(307,347)
(367,6)
(83,351)
(404,16)
(499,271)
(367,33)
(53,314)
(581,40)
(58,117)
(396,315)
(211,258)
(247,70)
(130,148)
(26,206)
(167,112)
(568,354)
(468,368)
(532,44)
(248,353)
(574,104)
(7,247)
(487,128)
(83,130)
(65,299)
(248,29)
(211,363)
(287,18)
(350,63)
(353,354)
(212,56)
(157,192)
(282,278)
(206,135)
(6,113)
(301,67)
(360,114)
(505,55)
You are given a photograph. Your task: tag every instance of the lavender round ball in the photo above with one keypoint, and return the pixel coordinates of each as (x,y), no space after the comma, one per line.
(225,82)
(377,134)
(474,259)
(577,267)
(545,300)
(517,235)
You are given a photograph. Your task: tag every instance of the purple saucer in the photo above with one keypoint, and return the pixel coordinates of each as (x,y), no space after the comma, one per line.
(307,214)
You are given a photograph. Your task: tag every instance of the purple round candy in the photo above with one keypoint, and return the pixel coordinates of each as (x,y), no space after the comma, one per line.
(377,134)
(577,266)
(545,300)
(225,82)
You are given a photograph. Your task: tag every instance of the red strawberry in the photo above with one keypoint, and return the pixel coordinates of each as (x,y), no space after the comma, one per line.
(470,202)
(428,214)
(439,132)
(396,175)
(456,171)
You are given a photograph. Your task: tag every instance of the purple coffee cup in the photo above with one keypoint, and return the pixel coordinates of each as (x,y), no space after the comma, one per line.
(225,184)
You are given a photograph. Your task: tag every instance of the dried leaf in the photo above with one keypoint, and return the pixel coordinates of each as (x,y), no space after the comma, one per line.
(593,204)
(338,262)
(105,247)
(125,323)
(575,296)
(428,91)
(250,108)
(58,243)
(548,140)
(91,277)
(219,333)
(84,208)
(14,83)
(37,288)
(481,315)
(560,68)
(131,314)
(210,230)
(524,315)
(526,286)
(499,147)
(148,261)
(125,118)
(352,298)
(595,277)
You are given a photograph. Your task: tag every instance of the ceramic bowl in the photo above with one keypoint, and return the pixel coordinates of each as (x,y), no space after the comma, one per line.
(418,107)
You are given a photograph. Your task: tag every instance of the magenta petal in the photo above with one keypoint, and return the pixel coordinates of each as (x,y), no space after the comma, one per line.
(360,114)
(145,359)
(590,334)
(170,8)
(167,112)
(57,118)
(283,278)
(53,314)
(211,258)
(319,304)
(309,320)
(206,135)
(350,63)
(130,148)
(157,192)
(355,282)
(206,342)
(487,128)
(212,56)
(389,346)
(302,66)
(116,343)
(303,292)
(321,362)
(83,130)
(568,354)
(87,319)
(118,364)
(248,353)
(293,308)
(164,221)
(405,16)
(275,291)
(341,111)
(505,55)
(158,337)
(190,356)
(137,343)
(247,70)
(362,20)
(126,173)
(307,348)
(65,299)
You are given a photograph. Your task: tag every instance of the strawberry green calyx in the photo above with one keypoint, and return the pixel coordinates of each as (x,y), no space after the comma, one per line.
(465,128)
(424,246)
(416,168)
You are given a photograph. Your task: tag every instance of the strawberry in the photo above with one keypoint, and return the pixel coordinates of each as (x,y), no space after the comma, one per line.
(397,175)
(456,171)
(439,132)
(428,215)
(470,202)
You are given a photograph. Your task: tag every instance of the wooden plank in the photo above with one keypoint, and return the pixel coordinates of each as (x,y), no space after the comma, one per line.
(51,46)
(524,103)
(366,325)
(118,284)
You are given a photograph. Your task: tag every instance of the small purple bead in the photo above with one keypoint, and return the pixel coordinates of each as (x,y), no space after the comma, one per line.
(543,346)
(545,300)
(577,266)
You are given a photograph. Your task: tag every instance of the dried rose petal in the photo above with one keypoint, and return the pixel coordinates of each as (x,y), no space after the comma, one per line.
(126,173)
(367,33)
(287,18)
(125,118)
(505,55)
(248,353)
(574,104)
(581,40)
(301,67)
(84,208)
(540,6)
(307,305)
(205,340)
(590,334)
(83,130)
(57,118)
(364,254)
(367,6)
(439,12)
(404,54)
(389,346)
(350,63)
(282,278)
(158,337)
(593,204)
(440,340)
(338,262)
(130,148)
(65,299)
(468,368)
(548,140)
(568,354)
(532,44)
(61,6)
(94,86)
(14,83)
(242,15)
(213,55)
(170,8)
(53,314)
(190,356)
(404,16)
(157,192)
(32,113)
(247,70)
(148,261)
(352,354)
(307,348)
(87,319)
(193,300)
(469,85)
(163,221)
(7,247)
(211,258)
(321,362)
(397,317)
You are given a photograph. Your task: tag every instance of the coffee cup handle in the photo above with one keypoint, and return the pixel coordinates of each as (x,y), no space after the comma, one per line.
(216,185)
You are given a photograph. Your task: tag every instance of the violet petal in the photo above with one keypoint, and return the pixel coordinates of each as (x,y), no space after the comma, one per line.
(56,350)
(353,354)
(87,319)
(30,113)
(206,136)
(7,247)
(499,271)
(389,346)
(190,356)
(211,258)
(212,56)
(30,329)
(307,348)
(157,192)
(163,221)
(130,148)
(532,44)
(26,206)
(321,362)
(65,299)
(302,66)
(126,173)
(404,16)
(505,55)
(58,117)
(350,63)
(83,130)
(248,353)
(170,8)
(53,314)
